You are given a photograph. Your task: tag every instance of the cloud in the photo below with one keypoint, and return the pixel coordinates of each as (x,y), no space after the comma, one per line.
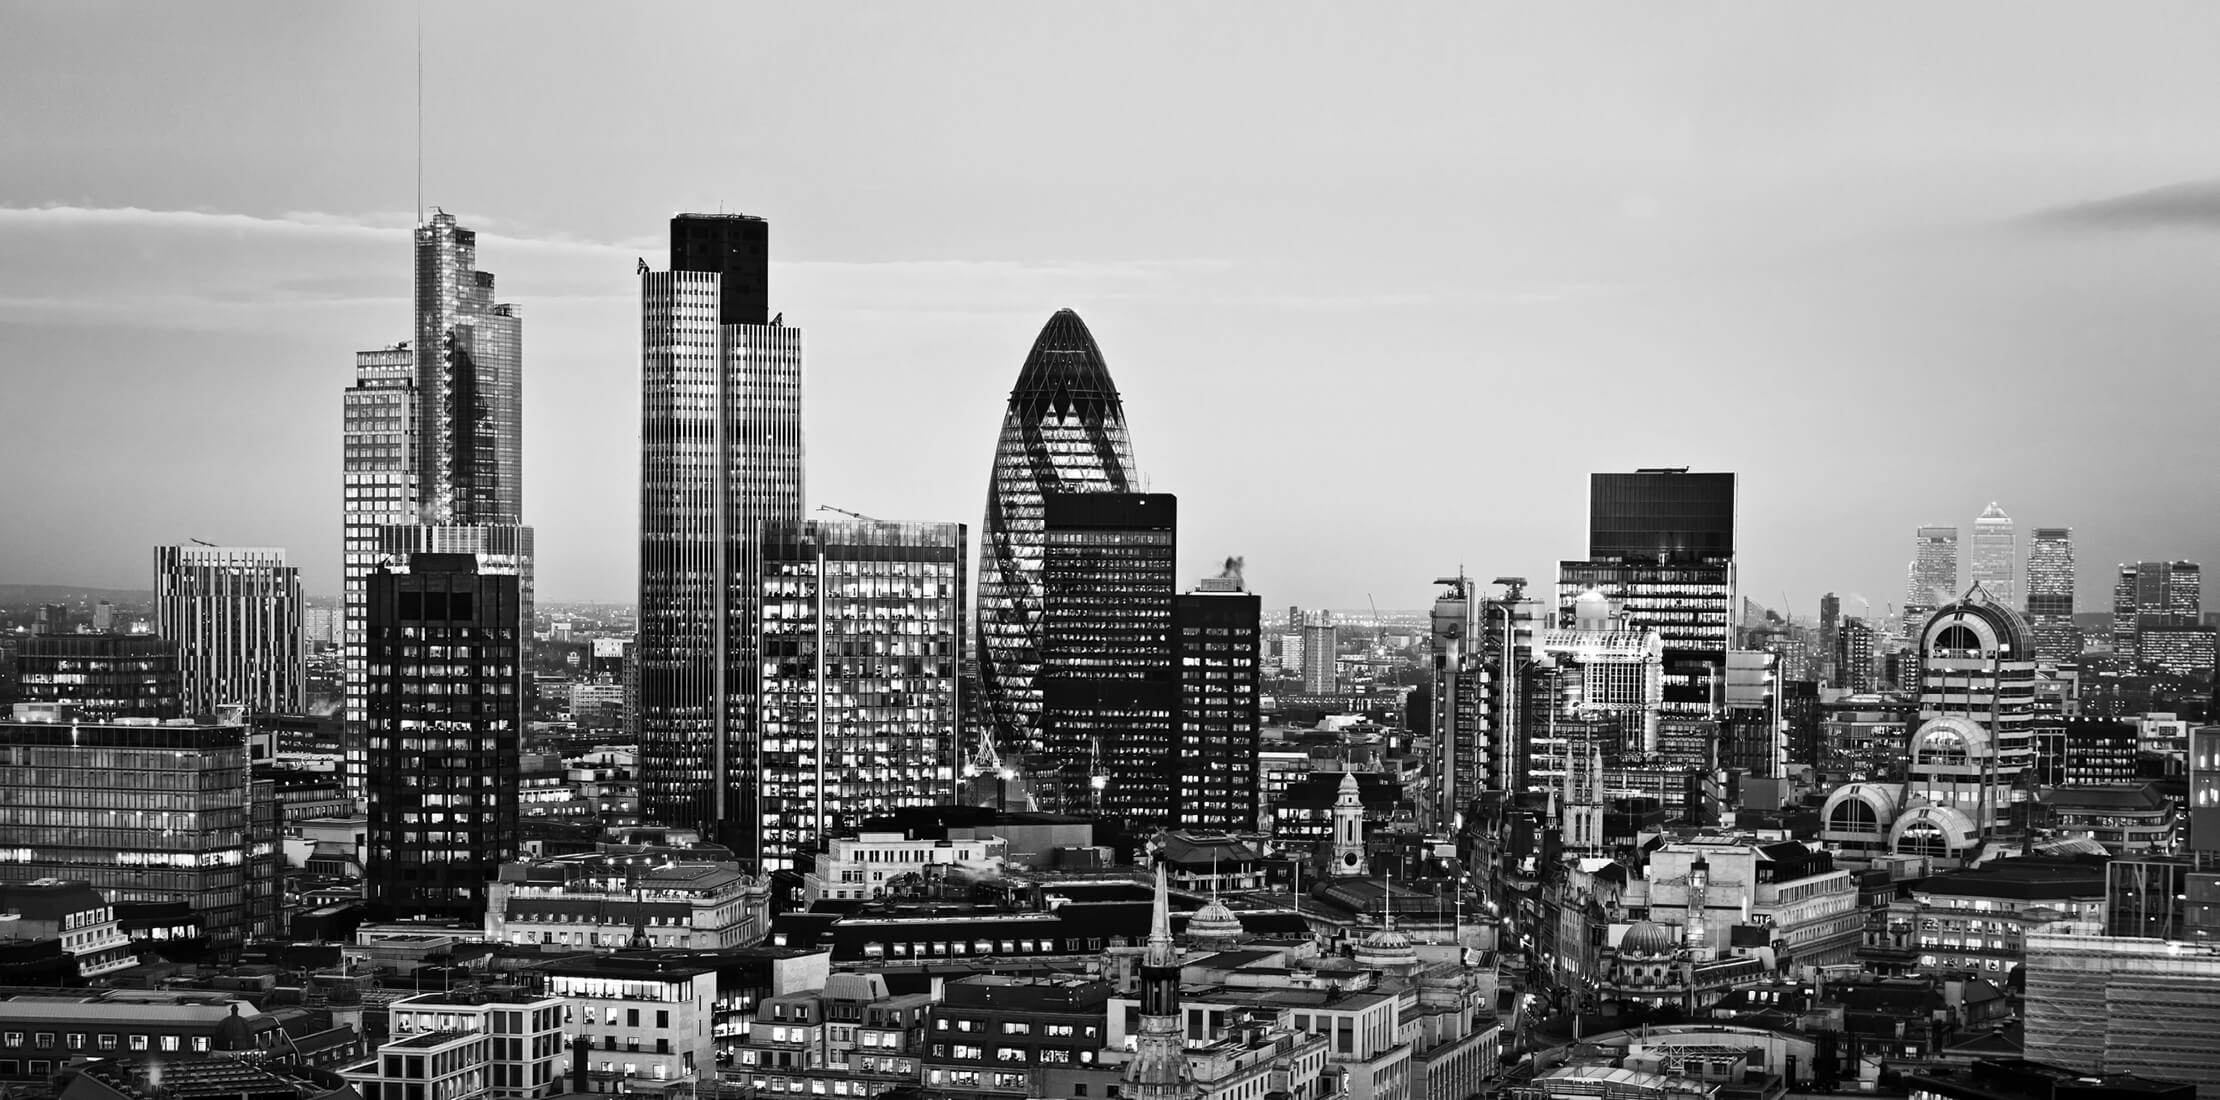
(2193,204)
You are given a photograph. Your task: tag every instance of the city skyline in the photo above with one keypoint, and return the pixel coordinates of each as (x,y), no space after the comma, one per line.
(2047,247)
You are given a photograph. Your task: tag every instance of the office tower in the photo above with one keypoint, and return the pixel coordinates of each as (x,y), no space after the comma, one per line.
(1933,576)
(1217,630)
(1830,618)
(861,648)
(1108,686)
(1995,562)
(149,811)
(103,676)
(1977,734)
(53,618)
(1321,654)
(1855,650)
(720,461)
(469,413)
(2050,594)
(1596,684)
(445,733)
(103,617)
(1661,548)
(2153,598)
(234,614)
(1064,432)
(1753,733)
(1459,682)
(378,458)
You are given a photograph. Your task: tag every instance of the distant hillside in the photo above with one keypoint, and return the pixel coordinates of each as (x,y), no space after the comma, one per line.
(16,595)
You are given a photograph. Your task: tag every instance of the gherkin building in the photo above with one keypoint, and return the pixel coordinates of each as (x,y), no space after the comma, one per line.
(1064,432)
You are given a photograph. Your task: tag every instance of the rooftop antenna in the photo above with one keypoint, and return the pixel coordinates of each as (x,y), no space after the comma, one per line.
(420,111)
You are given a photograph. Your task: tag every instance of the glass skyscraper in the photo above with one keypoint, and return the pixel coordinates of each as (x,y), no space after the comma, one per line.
(1932,579)
(1064,432)
(1996,556)
(434,439)
(860,636)
(720,464)
(2050,593)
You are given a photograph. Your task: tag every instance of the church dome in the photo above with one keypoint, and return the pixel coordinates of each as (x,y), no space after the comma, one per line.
(1214,922)
(233,1032)
(1386,947)
(1646,938)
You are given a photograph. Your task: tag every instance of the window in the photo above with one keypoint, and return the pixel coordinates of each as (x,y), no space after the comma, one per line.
(138,1042)
(107,1041)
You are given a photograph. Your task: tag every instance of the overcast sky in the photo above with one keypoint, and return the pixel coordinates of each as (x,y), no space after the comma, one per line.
(1381,284)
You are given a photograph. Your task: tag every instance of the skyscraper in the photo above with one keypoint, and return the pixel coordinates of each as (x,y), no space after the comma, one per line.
(470,409)
(434,439)
(1932,579)
(2050,593)
(1661,548)
(1215,651)
(720,461)
(861,641)
(1109,687)
(2153,596)
(1063,432)
(445,738)
(234,613)
(1321,654)
(1996,556)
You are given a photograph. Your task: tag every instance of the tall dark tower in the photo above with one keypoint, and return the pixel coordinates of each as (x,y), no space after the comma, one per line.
(1064,432)
(1109,684)
(720,463)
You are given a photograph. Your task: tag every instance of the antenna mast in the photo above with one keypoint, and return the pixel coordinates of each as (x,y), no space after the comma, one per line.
(419,215)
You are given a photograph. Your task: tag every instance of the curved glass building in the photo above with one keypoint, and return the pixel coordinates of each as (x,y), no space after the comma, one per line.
(1064,432)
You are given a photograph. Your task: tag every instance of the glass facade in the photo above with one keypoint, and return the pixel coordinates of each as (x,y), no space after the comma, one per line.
(2050,593)
(144,812)
(1109,689)
(1064,432)
(721,463)
(445,732)
(860,639)
(2153,596)
(378,458)
(1996,556)
(1219,721)
(103,676)
(1932,579)
(234,613)
(470,413)
(1661,515)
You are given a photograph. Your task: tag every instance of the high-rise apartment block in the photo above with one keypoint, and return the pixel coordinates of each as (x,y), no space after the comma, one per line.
(445,713)
(1932,579)
(1855,656)
(1108,681)
(234,614)
(861,643)
(1996,556)
(721,461)
(1321,654)
(103,676)
(1661,550)
(142,809)
(1063,432)
(2050,594)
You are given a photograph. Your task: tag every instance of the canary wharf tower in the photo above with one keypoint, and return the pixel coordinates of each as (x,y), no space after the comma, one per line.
(1064,432)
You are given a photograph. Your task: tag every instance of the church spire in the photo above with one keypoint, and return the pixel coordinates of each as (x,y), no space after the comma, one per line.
(1159,1069)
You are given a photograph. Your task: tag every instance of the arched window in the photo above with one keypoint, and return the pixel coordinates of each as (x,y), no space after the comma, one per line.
(1854,815)
(1923,838)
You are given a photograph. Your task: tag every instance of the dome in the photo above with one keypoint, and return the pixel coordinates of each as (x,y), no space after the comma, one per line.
(1645,937)
(1386,947)
(1976,624)
(1591,610)
(1951,739)
(1214,922)
(233,1032)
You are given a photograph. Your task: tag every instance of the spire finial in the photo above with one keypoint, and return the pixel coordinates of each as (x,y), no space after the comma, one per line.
(1160,921)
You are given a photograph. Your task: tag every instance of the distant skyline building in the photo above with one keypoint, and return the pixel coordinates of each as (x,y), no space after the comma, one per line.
(446,730)
(862,636)
(1932,578)
(1661,550)
(1995,563)
(1108,682)
(1064,431)
(721,461)
(234,614)
(1321,654)
(2050,593)
(2153,597)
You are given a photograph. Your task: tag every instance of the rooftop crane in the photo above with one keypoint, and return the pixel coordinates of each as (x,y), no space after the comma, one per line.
(849,514)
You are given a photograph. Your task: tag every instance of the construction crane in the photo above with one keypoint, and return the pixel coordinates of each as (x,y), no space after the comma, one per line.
(849,514)
(200,542)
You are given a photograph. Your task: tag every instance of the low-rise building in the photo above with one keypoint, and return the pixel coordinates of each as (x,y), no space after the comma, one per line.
(860,866)
(1978,920)
(610,901)
(644,1019)
(456,1045)
(2128,819)
(73,913)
